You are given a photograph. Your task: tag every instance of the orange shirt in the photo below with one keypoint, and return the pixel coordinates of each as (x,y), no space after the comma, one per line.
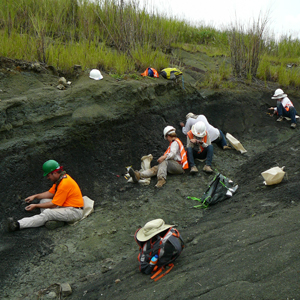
(68,193)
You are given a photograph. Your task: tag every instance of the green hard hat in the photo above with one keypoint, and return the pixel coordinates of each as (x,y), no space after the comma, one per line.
(49,166)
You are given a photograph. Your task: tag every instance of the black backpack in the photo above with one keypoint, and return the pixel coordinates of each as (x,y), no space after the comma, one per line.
(219,189)
(168,245)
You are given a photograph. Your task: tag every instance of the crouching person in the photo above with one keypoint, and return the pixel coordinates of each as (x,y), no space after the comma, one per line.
(199,146)
(160,245)
(174,160)
(62,203)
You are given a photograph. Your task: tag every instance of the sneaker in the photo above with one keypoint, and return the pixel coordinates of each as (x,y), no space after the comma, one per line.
(194,169)
(280,119)
(293,125)
(207,169)
(54,224)
(135,175)
(160,182)
(12,224)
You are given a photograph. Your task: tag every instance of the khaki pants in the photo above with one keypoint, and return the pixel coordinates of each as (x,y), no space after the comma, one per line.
(167,166)
(66,214)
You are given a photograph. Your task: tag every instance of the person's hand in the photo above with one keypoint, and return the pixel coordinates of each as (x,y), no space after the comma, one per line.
(30,207)
(30,199)
(181,124)
(271,108)
(161,159)
(194,141)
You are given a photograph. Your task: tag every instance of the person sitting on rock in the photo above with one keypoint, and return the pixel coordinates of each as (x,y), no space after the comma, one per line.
(216,135)
(174,160)
(199,138)
(285,107)
(62,203)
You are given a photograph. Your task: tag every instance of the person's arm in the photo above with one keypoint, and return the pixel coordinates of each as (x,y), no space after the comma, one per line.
(40,205)
(162,158)
(187,127)
(44,195)
(174,149)
(208,142)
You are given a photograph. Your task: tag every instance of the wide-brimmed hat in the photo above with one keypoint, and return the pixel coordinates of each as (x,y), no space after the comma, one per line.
(151,229)
(279,94)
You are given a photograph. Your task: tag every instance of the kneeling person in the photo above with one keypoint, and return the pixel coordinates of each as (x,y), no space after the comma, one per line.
(63,202)
(199,146)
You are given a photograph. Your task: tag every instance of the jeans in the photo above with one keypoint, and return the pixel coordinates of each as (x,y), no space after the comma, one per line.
(206,153)
(291,113)
(221,141)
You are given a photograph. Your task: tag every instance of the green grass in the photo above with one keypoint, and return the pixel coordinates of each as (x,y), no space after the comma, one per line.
(121,38)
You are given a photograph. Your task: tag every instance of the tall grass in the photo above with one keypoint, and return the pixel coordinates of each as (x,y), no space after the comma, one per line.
(120,37)
(246,46)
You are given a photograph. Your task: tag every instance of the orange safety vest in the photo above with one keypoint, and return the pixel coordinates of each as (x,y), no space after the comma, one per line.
(204,139)
(184,161)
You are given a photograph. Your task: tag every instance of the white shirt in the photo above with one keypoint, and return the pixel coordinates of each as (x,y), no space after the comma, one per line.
(285,102)
(213,132)
(174,152)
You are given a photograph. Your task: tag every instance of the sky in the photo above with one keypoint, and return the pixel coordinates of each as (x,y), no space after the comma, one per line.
(284,15)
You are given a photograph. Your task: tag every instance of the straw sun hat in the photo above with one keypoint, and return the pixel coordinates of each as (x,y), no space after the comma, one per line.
(151,229)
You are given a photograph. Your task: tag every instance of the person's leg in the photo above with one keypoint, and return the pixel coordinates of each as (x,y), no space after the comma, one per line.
(174,167)
(208,153)
(223,142)
(149,172)
(209,156)
(279,109)
(68,214)
(190,156)
(162,170)
(292,114)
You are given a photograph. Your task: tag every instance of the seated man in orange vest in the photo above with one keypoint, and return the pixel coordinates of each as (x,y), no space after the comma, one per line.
(174,160)
(198,136)
(63,202)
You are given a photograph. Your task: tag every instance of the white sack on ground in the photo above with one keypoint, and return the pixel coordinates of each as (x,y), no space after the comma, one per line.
(273,175)
(145,165)
(88,208)
(235,143)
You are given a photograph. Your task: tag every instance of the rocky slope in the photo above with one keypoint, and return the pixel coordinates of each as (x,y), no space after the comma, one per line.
(246,247)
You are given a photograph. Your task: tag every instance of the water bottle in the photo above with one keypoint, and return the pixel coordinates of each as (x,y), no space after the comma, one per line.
(154,260)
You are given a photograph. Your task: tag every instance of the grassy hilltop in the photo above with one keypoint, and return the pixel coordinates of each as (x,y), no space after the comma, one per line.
(121,38)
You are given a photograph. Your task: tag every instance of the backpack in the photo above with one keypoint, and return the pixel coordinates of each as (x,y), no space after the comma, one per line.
(170,73)
(219,189)
(168,245)
(150,72)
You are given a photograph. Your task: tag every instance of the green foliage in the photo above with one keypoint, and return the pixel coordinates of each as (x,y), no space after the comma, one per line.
(122,38)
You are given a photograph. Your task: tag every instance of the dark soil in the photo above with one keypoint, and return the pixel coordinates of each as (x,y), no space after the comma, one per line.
(246,247)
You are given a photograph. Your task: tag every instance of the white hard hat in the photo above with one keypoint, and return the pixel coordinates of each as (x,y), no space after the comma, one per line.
(95,74)
(279,94)
(168,130)
(199,129)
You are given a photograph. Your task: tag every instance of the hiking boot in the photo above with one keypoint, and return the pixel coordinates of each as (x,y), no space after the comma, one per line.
(194,169)
(12,225)
(135,175)
(54,224)
(293,125)
(207,169)
(280,119)
(160,182)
